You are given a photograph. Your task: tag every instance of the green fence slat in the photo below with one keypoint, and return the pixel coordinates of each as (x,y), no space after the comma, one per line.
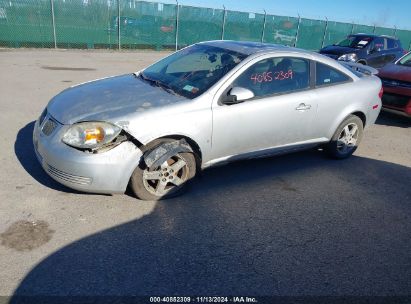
(243,26)
(26,23)
(281,30)
(364,29)
(148,25)
(85,24)
(199,24)
(336,31)
(405,38)
(145,24)
(311,34)
(384,31)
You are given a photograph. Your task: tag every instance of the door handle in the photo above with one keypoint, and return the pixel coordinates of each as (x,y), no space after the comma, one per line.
(303,107)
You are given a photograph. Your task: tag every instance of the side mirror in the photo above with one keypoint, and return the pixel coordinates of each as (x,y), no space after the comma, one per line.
(237,95)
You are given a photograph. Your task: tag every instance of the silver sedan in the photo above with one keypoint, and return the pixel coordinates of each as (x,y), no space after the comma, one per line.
(210,103)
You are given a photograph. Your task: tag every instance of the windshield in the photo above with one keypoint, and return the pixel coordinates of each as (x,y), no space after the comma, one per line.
(406,60)
(356,42)
(193,70)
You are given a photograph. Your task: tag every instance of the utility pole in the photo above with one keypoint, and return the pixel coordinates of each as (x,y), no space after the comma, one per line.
(298,29)
(177,15)
(54,23)
(325,31)
(263,32)
(222,30)
(118,25)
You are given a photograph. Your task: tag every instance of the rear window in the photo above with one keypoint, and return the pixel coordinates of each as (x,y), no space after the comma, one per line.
(392,44)
(326,75)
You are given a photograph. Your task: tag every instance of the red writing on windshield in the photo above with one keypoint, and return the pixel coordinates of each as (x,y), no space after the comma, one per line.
(270,76)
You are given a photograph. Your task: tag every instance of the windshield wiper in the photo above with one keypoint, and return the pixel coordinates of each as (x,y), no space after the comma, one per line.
(145,78)
(158,83)
(167,88)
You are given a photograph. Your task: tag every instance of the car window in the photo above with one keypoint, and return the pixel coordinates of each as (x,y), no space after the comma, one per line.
(193,62)
(193,70)
(406,60)
(392,44)
(275,76)
(326,75)
(378,43)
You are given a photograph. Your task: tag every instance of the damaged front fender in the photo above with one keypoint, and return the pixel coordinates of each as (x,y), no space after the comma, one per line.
(158,155)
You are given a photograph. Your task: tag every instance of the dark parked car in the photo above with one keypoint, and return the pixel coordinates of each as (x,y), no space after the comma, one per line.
(396,80)
(372,50)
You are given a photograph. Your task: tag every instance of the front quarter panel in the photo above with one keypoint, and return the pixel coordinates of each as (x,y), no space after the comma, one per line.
(191,118)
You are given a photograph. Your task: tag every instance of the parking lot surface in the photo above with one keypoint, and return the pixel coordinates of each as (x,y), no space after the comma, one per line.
(300,224)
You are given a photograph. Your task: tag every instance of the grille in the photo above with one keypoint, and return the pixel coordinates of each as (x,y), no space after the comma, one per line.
(49,127)
(395,100)
(395,83)
(75,179)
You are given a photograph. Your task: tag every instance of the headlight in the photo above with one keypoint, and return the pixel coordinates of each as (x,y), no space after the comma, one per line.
(348,57)
(90,134)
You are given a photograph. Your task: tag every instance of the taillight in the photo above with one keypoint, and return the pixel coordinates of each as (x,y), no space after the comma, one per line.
(408,107)
(380,93)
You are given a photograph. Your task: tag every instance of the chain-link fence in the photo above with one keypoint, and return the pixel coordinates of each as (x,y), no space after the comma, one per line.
(131,24)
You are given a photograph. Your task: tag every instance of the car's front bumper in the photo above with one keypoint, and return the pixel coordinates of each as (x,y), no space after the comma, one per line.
(106,172)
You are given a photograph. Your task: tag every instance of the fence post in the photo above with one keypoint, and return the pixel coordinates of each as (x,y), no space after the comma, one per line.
(263,32)
(54,23)
(352,28)
(298,29)
(325,32)
(373,30)
(222,30)
(177,16)
(395,31)
(118,25)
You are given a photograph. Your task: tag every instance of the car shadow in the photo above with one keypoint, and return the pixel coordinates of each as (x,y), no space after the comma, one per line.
(394,120)
(299,224)
(24,150)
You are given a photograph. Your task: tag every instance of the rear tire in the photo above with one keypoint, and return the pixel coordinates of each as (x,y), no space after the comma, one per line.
(346,138)
(168,180)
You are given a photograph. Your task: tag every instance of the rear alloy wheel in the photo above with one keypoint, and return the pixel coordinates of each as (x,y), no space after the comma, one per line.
(346,139)
(168,180)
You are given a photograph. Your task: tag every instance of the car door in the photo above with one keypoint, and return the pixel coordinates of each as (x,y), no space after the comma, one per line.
(280,113)
(392,52)
(376,55)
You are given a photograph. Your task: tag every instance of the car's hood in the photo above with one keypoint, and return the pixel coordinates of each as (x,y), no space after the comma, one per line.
(337,50)
(395,71)
(108,98)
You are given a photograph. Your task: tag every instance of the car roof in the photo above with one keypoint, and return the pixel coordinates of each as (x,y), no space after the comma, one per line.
(249,47)
(254,48)
(373,35)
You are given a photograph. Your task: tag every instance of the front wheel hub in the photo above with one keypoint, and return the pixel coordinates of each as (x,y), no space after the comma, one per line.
(167,178)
